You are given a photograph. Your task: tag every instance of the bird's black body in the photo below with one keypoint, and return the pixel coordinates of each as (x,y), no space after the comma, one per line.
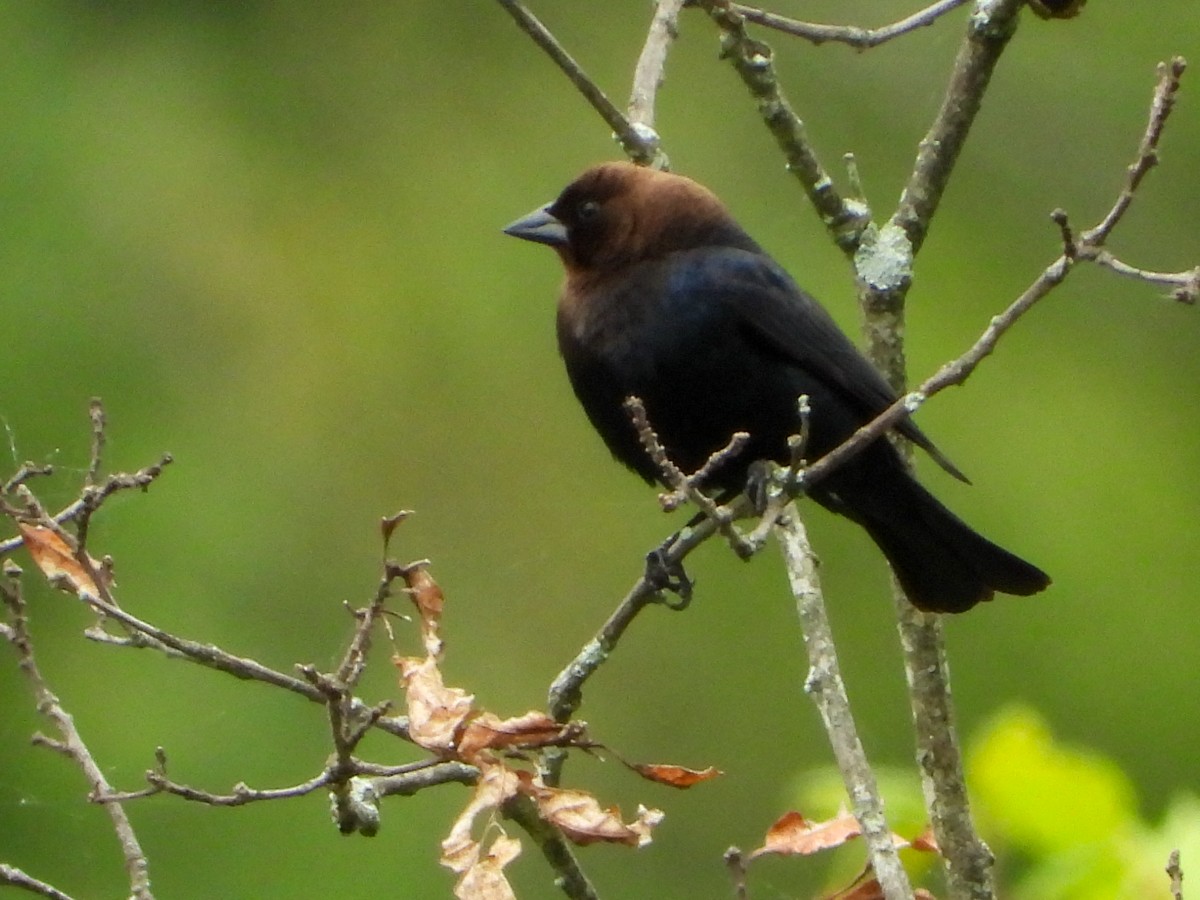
(668,299)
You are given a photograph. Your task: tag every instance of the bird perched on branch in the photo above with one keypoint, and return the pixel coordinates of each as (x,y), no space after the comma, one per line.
(668,299)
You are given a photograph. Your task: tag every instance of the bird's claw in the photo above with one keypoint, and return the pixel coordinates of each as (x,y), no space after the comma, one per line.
(759,479)
(664,574)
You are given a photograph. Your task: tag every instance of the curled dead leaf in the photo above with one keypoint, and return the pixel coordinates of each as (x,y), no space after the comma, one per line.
(428,599)
(793,834)
(388,524)
(489,732)
(496,785)
(583,820)
(674,776)
(56,558)
(436,713)
(926,841)
(480,871)
(485,880)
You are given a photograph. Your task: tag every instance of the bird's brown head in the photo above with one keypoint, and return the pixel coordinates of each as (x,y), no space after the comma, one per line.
(617,214)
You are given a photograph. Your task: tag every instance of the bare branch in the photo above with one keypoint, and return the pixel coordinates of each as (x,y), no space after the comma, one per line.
(854,35)
(213,657)
(564,696)
(70,742)
(988,32)
(636,144)
(26,471)
(96,414)
(1184,286)
(1169,77)
(14,877)
(687,487)
(571,879)
(93,496)
(427,774)
(824,684)
(1175,873)
(753,60)
(968,860)
(649,73)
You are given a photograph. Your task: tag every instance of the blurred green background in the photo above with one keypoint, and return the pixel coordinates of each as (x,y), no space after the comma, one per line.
(267,234)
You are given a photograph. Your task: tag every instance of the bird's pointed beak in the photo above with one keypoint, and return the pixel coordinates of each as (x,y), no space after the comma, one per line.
(539,226)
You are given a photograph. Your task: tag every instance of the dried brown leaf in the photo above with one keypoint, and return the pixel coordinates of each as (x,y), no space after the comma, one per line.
(674,776)
(793,834)
(496,785)
(388,524)
(485,879)
(926,841)
(436,713)
(428,598)
(56,558)
(489,732)
(581,818)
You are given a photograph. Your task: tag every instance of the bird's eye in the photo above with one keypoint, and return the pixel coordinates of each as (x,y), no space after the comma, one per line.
(588,211)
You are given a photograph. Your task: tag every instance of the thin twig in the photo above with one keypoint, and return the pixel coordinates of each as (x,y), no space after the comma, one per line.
(1175,873)
(564,696)
(854,35)
(634,142)
(213,657)
(824,684)
(688,487)
(1170,75)
(70,742)
(1184,286)
(14,877)
(24,472)
(93,497)
(754,62)
(426,775)
(99,422)
(648,76)
(988,31)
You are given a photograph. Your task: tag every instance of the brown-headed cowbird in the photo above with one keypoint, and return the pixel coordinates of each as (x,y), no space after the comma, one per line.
(667,298)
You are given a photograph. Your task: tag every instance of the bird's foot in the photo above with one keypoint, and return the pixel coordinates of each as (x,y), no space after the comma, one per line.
(664,574)
(760,478)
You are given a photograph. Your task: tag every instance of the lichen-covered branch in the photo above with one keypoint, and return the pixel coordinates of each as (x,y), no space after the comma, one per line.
(753,60)
(824,684)
(648,77)
(989,29)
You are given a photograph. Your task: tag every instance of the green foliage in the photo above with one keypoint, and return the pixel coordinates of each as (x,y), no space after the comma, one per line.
(1071,814)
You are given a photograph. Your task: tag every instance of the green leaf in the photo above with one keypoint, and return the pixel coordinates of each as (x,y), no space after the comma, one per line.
(1043,796)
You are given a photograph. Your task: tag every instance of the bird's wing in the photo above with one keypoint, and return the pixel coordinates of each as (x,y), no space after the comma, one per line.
(780,318)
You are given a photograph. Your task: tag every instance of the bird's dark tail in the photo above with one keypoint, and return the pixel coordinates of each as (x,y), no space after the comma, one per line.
(940,561)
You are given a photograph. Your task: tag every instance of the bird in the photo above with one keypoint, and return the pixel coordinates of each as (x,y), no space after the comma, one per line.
(667,298)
